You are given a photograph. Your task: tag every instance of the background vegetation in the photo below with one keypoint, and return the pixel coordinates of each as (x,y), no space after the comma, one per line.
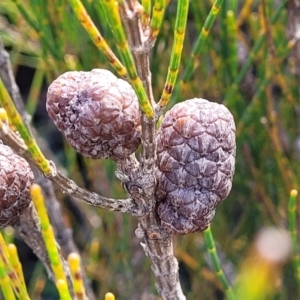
(250,62)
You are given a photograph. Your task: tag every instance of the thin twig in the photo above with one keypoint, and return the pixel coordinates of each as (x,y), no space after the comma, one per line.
(67,185)
(165,267)
(130,12)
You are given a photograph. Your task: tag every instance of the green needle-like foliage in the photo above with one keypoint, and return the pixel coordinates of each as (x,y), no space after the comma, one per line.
(17,120)
(113,16)
(96,36)
(50,242)
(74,263)
(129,72)
(211,246)
(17,267)
(63,290)
(179,34)
(14,280)
(41,25)
(6,286)
(157,18)
(147,12)
(188,72)
(232,61)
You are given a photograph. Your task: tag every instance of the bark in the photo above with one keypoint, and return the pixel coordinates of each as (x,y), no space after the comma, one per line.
(165,267)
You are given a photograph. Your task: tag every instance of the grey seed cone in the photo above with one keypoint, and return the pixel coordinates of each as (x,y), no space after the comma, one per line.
(196,160)
(97,112)
(16,179)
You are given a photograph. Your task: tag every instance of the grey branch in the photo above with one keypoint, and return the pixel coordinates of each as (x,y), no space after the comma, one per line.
(137,39)
(67,185)
(157,243)
(165,268)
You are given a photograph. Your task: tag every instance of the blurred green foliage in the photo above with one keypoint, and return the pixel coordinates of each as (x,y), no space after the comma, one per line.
(249,62)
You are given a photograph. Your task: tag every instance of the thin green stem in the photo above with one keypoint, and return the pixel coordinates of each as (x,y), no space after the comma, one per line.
(76,273)
(255,104)
(233,6)
(5,284)
(19,289)
(63,291)
(35,89)
(87,23)
(224,47)
(16,119)
(158,12)
(16,265)
(188,72)
(146,13)
(57,16)
(198,45)
(232,43)
(44,23)
(113,16)
(49,238)
(179,34)
(210,243)
(85,20)
(294,236)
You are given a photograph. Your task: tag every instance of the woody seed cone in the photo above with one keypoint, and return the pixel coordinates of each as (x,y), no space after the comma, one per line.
(195,159)
(16,179)
(97,112)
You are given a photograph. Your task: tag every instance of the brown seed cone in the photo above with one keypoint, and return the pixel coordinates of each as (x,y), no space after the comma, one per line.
(195,158)
(97,112)
(16,179)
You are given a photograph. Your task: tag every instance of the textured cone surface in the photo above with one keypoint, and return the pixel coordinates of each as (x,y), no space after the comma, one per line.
(97,112)
(195,158)
(16,178)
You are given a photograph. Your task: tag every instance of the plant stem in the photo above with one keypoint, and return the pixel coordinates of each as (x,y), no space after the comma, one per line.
(158,245)
(179,35)
(165,268)
(216,263)
(192,62)
(158,11)
(102,45)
